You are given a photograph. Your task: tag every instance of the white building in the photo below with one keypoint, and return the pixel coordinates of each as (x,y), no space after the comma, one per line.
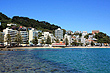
(83,40)
(46,34)
(12,33)
(69,38)
(11,24)
(24,35)
(84,33)
(59,34)
(32,34)
(77,32)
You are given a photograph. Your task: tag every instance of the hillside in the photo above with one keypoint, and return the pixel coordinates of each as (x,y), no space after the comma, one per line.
(27,22)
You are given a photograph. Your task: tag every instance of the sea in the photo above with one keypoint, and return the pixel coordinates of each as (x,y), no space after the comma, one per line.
(61,60)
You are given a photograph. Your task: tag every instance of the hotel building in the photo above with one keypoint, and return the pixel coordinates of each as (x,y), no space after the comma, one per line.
(59,34)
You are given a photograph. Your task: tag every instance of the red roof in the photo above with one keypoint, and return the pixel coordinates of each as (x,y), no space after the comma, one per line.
(20,27)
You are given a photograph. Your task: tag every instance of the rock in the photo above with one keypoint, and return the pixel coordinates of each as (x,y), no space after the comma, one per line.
(15,49)
(2,54)
(54,70)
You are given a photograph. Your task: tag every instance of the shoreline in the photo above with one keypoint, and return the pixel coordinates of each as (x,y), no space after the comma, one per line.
(15,48)
(59,47)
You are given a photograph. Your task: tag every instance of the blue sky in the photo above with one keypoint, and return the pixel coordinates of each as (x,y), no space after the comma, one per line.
(82,15)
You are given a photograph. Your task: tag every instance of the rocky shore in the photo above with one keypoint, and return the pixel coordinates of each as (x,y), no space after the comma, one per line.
(23,48)
(6,49)
(11,49)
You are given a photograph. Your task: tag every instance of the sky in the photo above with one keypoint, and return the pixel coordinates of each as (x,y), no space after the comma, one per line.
(75,15)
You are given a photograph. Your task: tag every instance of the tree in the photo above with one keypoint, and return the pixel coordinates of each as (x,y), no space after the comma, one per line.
(57,40)
(1,38)
(87,44)
(35,40)
(102,37)
(27,42)
(39,34)
(8,39)
(92,43)
(86,36)
(48,40)
(74,43)
(61,39)
(80,34)
(66,41)
(27,22)
(18,39)
(42,41)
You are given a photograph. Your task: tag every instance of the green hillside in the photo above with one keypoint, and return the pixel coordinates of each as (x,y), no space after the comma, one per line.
(27,22)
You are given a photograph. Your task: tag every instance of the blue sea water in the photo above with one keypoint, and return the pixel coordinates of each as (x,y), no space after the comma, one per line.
(65,60)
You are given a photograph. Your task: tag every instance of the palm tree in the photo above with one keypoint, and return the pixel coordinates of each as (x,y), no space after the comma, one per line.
(18,39)
(8,39)
(35,40)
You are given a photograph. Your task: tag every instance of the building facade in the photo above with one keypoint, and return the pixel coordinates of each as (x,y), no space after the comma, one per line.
(12,33)
(59,34)
(24,35)
(46,34)
(83,40)
(69,38)
(32,34)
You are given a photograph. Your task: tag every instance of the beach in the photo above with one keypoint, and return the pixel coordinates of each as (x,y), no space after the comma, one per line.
(60,47)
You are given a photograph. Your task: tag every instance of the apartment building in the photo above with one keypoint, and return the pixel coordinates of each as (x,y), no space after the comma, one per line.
(83,40)
(59,34)
(69,38)
(45,35)
(12,33)
(24,35)
(32,34)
